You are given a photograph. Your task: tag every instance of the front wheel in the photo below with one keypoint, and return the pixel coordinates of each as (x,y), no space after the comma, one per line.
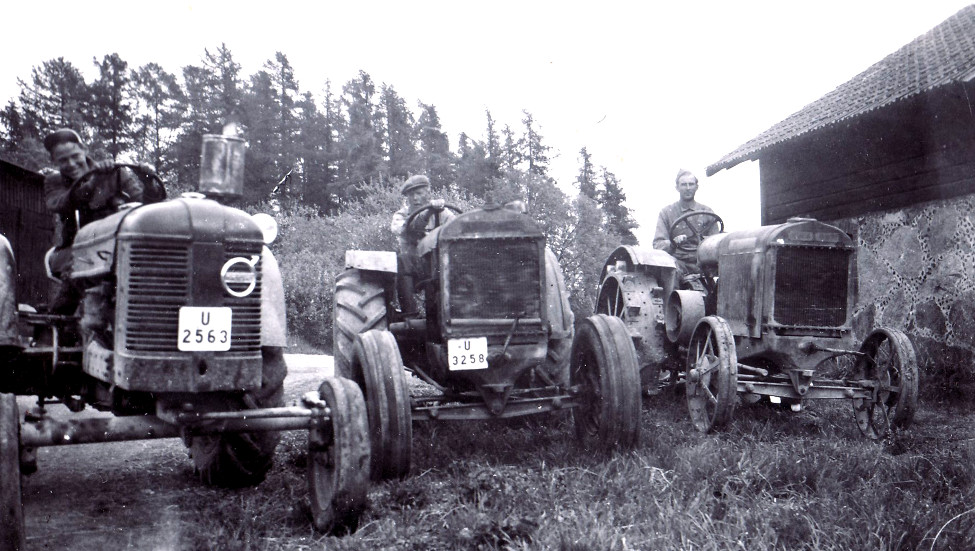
(338,459)
(377,367)
(236,460)
(888,361)
(12,519)
(605,368)
(712,374)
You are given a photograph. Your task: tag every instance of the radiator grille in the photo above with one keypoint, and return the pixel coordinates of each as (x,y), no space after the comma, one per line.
(494,279)
(811,286)
(158,284)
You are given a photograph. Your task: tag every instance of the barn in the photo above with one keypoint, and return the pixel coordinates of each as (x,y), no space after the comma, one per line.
(889,156)
(25,222)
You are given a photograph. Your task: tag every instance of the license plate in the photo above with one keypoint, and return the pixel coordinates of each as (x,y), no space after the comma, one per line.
(465,354)
(204,328)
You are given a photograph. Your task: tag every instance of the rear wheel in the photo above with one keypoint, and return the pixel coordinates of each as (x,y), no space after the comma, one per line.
(604,364)
(360,306)
(712,374)
(890,363)
(236,460)
(377,367)
(338,459)
(12,520)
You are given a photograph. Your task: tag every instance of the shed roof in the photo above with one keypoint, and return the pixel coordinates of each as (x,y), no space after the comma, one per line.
(941,56)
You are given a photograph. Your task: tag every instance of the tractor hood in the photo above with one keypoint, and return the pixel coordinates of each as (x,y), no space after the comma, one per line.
(482,223)
(187,219)
(795,232)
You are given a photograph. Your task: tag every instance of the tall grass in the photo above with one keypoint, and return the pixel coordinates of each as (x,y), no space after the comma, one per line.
(774,480)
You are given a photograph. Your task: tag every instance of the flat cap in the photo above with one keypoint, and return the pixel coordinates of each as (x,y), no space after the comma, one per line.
(60,136)
(414,182)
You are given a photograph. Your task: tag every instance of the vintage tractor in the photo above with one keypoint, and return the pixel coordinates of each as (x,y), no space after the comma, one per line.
(180,333)
(496,341)
(772,308)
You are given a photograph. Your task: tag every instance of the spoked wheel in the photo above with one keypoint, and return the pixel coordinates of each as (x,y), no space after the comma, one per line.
(604,364)
(890,363)
(712,374)
(377,367)
(12,521)
(338,459)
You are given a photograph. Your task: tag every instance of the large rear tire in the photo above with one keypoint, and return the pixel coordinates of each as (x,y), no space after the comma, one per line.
(605,366)
(12,520)
(377,368)
(889,360)
(712,374)
(236,460)
(338,459)
(360,306)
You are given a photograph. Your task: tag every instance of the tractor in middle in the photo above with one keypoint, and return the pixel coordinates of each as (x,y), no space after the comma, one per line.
(497,339)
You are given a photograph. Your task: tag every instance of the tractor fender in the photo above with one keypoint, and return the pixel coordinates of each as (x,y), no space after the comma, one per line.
(274,327)
(560,314)
(8,296)
(633,258)
(376,261)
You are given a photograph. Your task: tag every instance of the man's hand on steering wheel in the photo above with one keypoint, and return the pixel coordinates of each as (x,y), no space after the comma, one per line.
(689,243)
(434,206)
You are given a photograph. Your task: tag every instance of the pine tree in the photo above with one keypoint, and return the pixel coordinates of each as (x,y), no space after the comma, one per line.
(435,157)
(111,113)
(55,98)
(587,175)
(399,145)
(159,115)
(361,155)
(618,220)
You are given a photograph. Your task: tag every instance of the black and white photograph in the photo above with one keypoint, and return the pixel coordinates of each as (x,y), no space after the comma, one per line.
(433,275)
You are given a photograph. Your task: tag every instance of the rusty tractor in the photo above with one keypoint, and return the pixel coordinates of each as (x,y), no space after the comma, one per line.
(497,339)
(770,311)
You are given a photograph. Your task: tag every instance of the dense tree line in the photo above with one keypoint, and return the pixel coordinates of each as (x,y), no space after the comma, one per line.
(319,153)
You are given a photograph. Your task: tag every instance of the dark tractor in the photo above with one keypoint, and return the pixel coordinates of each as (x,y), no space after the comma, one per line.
(180,333)
(496,341)
(772,308)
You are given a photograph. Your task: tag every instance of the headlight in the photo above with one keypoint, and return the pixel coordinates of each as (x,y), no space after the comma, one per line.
(269,227)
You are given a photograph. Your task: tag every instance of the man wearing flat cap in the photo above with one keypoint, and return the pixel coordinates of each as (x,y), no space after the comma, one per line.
(691,230)
(78,203)
(416,192)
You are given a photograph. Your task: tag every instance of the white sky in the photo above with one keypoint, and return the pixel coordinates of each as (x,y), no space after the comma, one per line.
(646,89)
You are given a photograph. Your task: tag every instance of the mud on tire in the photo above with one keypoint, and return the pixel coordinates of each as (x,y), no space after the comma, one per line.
(236,460)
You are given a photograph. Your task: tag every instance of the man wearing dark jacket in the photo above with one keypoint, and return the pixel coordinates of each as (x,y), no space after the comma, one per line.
(78,203)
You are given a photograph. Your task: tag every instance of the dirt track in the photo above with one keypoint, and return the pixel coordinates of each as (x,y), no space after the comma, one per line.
(121,495)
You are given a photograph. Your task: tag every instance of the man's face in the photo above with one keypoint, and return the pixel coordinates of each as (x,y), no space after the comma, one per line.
(417,197)
(687,187)
(71,160)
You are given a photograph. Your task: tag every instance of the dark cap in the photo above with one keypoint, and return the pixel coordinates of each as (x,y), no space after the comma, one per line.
(414,182)
(60,136)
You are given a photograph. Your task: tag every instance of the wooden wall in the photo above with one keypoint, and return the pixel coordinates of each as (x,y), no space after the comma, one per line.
(913,151)
(28,226)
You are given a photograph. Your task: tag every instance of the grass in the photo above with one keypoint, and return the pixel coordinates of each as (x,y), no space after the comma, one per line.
(773,480)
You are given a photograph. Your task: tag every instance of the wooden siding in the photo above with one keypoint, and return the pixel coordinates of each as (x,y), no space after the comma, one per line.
(910,152)
(28,226)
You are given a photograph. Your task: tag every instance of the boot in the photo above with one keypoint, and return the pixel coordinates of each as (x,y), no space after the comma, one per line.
(407,298)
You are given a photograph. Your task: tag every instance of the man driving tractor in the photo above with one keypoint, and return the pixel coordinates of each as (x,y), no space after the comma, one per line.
(416,191)
(77,202)
(680,237)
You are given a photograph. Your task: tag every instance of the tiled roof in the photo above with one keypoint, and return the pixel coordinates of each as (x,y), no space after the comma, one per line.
(943,55)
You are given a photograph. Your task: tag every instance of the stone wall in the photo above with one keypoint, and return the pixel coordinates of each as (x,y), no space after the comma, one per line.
(916,269)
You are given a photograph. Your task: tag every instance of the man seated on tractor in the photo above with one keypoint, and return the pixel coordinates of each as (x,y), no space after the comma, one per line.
(77,202)
(416,191)
(679,232)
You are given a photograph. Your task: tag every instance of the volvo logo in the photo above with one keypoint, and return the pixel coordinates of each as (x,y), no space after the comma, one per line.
(239,275)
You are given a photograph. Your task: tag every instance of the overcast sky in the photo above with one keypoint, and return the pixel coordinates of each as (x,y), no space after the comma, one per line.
(646,89)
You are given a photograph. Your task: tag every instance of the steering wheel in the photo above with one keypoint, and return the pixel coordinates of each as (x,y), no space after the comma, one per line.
(424,208)
(690,244)
(91,173)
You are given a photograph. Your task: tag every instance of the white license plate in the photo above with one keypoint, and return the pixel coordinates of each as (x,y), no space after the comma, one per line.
(467,354)
(204,328)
